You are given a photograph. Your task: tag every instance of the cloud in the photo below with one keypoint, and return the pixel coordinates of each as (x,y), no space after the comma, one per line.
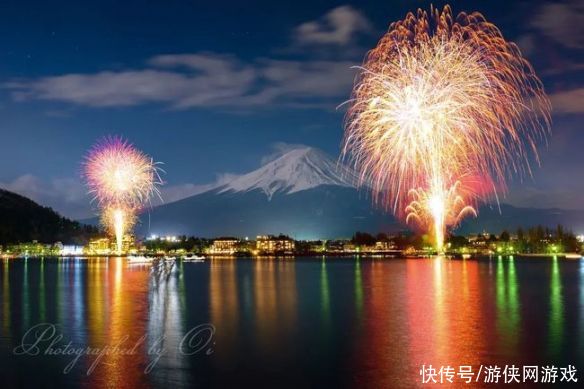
(178,192)
(566,68)
(69,197)
(210,81)
(206,62)
(339,27)
(65,195)
(568,102)
(305,83)
(527,44)
(204,85)
(562,22)
(194,80)
(530,196)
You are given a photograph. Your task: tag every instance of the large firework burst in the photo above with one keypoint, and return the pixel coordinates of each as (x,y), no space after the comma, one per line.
(441,113)
(122,180)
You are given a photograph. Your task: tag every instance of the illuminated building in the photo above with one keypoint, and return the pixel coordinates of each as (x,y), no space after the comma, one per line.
(224,246)
(168,238)
(335,246)
(33,249)
(106,246)
(269,244)
(349,247)
(67,250)
(99,246)
(384,246)
(317,246)
(127,244)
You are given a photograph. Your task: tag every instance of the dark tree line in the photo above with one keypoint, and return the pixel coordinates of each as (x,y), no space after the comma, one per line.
(402,240)
(536,239)
(188,243)
(23,220)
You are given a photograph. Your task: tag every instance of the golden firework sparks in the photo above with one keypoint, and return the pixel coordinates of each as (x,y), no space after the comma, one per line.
(118,220)
(441,113)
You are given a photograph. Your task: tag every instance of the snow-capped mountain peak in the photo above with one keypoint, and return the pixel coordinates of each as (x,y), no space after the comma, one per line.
(297,170)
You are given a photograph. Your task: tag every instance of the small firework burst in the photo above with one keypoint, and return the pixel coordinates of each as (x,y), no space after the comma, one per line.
(122,180)
(117,172)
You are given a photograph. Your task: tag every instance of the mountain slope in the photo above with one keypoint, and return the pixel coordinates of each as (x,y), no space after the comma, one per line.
(23,220)
(326,211)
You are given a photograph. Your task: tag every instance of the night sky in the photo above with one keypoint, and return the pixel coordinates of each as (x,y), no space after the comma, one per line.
(213,87)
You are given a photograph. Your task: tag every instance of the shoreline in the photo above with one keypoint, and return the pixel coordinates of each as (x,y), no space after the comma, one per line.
(368,255)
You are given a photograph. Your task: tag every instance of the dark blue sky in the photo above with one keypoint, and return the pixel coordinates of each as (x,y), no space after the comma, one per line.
(212,87)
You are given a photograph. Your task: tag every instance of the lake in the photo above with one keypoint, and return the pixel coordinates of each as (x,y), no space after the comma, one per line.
(318,322)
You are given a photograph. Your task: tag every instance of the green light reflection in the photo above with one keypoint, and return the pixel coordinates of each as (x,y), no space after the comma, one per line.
(6,298)
(358,289)
(25,298)
(181,288)
(324,293)
(556,320)
(59,291)
(508,306)
(513,299)
(42,302)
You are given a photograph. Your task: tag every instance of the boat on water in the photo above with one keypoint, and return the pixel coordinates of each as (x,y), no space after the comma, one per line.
(134,259)
(194,258)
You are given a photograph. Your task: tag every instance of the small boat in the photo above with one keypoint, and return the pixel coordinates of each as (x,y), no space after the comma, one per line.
(170,259)
(194,258)
(139,259)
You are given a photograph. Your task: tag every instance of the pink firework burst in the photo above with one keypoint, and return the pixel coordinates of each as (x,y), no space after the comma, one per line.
(117,172)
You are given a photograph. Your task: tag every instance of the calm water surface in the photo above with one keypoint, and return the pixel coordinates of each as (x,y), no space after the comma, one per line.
(287,323)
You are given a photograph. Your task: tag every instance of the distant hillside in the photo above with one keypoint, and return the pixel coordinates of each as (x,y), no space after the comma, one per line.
(323,212)
(23,220)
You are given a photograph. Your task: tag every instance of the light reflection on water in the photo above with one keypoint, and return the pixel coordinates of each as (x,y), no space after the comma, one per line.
(556,320)
(337,322)
(6,303)
(581,315)
(508,304)
(358,290)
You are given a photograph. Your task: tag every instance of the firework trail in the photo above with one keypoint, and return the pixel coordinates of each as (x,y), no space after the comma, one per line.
(118,219)
(443,110)
(121,180)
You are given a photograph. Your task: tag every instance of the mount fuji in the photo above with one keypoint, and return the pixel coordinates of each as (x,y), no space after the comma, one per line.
(308,195)
(303,193)
(297,170)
